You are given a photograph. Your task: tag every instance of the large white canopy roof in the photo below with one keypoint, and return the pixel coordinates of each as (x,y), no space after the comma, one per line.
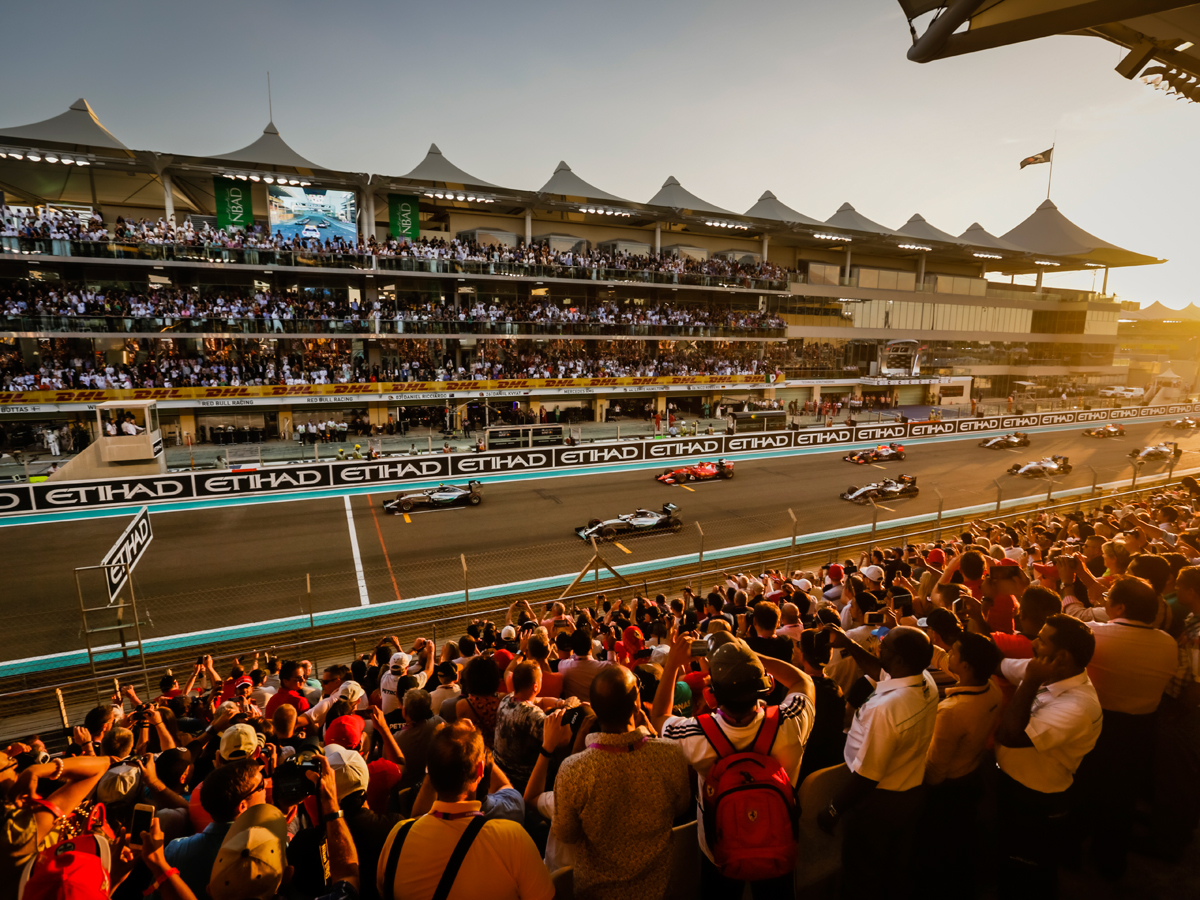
(977,236)
(1049,232)
(436,169)
(918,228)
(850,218)
(673,195)
(770,207)
(78,127)
(568,184)
(269,150)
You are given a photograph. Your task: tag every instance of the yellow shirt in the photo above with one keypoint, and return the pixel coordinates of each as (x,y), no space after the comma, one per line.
(502,864)
(965,722)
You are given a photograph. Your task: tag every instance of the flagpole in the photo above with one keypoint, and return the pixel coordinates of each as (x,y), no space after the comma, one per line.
(1050,179)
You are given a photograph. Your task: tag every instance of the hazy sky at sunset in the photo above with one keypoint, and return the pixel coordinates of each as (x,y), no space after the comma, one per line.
(814,101)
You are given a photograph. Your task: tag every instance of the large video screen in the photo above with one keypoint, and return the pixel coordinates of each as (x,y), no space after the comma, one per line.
(312,213)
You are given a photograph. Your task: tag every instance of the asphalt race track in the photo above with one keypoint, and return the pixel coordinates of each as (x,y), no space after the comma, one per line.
(220,567)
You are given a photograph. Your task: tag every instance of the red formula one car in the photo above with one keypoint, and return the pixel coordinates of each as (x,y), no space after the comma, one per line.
(882,453)
(702,471)
(1106,431)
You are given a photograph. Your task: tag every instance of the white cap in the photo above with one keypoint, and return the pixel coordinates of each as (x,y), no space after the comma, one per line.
(874,573)
(508,633)
(352,691)
(804,584)
(349,768)
(399,661)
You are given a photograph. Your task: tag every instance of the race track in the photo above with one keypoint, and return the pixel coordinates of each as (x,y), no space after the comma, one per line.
(228,566)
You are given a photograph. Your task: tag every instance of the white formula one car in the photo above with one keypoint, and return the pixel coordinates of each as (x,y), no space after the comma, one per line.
(1047,467)
(1008,442)
(442,495)
(1157,452)
(888,489)
(632,523)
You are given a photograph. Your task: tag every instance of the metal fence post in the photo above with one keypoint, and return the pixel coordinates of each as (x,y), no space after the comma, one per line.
(1049,490)
(874,518)
(1095,479)
(700,570)
(999,493)
(941,502)
(312,627)
(466,587)
(792,555)
(1137,464)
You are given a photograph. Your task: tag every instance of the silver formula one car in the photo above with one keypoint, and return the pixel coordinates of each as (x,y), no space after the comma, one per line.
(442,495)
(632,523)
(1157,452)
(1008,442)
(1186,422)
(888,489)
(1047,467)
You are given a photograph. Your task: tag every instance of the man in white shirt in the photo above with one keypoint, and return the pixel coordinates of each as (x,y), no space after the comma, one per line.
(1050,725)
(128,426)
(579,671)
(1133,664)
(400,665)
(886,749)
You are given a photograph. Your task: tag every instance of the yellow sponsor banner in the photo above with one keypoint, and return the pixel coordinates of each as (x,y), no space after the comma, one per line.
(21,398)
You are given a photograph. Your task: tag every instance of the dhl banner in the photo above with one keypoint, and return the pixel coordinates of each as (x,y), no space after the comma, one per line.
(380,389)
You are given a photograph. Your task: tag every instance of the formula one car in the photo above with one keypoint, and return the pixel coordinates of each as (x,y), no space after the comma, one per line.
(632,523)
(442,495)
(1047,467)
(1186,422)
(882,453)
(702,471)
(1016,439)
(1106,431)
(1165,450)
(888,489)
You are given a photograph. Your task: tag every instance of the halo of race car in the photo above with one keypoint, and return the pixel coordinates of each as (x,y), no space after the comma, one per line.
(882,453)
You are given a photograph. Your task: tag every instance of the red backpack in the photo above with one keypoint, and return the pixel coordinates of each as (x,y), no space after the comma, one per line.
(749,805)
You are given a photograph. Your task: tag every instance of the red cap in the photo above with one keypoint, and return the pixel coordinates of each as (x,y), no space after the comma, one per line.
(345,731)
(502,658)
(1046,570)
(245,679)
(937,557)
(76,869)
(1005,562)
(836,572)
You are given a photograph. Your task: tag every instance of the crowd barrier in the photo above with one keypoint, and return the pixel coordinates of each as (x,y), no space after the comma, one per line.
(402,470)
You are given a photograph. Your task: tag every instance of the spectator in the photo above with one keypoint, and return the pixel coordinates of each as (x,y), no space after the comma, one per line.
(495,857)
(579,671)
(291,689)
(826,744)
(764,620)
(481,681)
(738,683)
(1051,724)
(413,739)
(519,721)
(228,791)
(622,849)
(448,687)
(886,749)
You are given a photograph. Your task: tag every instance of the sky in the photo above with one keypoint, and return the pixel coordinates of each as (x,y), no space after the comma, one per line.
(814,101)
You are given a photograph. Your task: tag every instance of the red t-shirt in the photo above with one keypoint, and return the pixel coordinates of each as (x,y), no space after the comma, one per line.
(291,698)
(1000,616)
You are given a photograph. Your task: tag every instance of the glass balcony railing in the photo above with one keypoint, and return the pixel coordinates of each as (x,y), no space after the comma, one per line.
(186,253)
(366,327)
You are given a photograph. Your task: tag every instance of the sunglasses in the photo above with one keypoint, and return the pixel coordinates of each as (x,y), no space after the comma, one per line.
(262,784)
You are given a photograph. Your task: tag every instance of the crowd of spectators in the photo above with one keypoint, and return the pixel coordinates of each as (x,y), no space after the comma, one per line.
(169,363)
(70,225)
(168,304)
(1019,700)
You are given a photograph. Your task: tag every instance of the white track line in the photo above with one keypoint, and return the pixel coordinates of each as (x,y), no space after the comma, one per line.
(363,599)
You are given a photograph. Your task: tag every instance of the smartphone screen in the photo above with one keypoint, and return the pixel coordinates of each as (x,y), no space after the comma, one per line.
(143,818)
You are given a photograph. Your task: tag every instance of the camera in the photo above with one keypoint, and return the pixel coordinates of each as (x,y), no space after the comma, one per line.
(573,716)
(291,782)
(700,648)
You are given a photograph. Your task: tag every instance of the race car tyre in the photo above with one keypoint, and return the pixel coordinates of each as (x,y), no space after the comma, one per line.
(862,501)
(593,523)
(1066,470)
(474,499)
(607,533)
(406,505)
(673,523)
(1014,469)
(900,456)
(727,473)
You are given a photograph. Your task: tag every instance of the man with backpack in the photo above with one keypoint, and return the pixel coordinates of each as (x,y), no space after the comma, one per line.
(748,758)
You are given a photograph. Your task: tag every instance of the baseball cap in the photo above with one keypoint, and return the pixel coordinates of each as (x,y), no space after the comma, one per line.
(875,573)
(239,741)
(352,691)
(836,572)
(345,731)
(508,633)
(399,662)
(735,668)
(75,869)
(1004,564)
(349,768)
(245,679)
(804,584)
(118,783)
(937,557)
(252,857)
(446,669)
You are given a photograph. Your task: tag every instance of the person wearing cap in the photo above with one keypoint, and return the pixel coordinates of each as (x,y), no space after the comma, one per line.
(500,860)
(738,682)
(228,791)
(398,667)
(886,750)
(234,743)
(252,861)
(368,829)
(581,668)
(447,684)
(343,688)
(833,584)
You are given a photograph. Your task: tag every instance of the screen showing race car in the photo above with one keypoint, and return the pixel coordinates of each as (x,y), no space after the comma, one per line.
(312,213)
